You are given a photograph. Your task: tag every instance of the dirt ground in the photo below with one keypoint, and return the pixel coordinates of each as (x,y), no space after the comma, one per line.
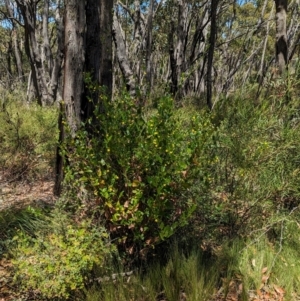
(21,194)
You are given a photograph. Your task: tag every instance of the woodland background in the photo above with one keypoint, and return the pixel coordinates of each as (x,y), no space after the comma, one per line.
(149,150)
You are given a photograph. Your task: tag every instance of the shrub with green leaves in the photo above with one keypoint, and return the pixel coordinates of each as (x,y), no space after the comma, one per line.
(58,260)
(138,167)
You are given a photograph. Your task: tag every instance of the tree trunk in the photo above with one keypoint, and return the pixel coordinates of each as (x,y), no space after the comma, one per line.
(74,62)
(281,44)
(149,47)
(211,50)
(28,10)
(16,49)
(47,58)
(173,65)
(122,57)
(55,81)
(73,78)
(261,71)
(91,23)
(41,63)
(98,60)
(106,27)
(18,59)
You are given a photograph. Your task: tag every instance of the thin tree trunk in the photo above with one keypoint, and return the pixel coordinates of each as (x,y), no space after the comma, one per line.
(16,49)
(17,54)
(149,46)
(31,48)
(281,44)
(211,50)
(261,72)
(47,59)
(55,81)
(28,10)
(29,84)
(8,61)
(173,65)
(122,57)
(106,28)
(179,54)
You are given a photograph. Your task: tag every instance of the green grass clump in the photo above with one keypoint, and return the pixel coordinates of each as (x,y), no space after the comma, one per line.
(263,264)
(183,276)
(28,137)
(28,220)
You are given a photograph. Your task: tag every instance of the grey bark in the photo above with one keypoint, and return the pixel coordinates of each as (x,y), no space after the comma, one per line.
(177,49)
(28,10)
(47,58)
(187,48)
(45,70)
(55,81)
(122,57)
(149,69)
(74,62)
(16,50)
(73,79)
(281,44)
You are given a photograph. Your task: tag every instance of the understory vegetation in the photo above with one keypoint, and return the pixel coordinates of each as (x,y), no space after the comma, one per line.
(163,203)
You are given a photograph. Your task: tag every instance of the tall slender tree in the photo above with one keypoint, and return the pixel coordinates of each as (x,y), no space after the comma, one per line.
(211,50)
(281,43)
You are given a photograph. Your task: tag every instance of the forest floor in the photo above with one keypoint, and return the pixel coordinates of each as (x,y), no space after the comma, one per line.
(14,195)
(19,194)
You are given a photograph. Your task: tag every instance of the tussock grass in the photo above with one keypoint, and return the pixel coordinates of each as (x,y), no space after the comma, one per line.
(183,276)
(28,220)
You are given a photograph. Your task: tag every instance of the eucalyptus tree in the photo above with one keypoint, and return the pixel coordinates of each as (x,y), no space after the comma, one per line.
(15,43)
(45,71)
(11,50)
(162,43)
(88,49)
(134,50)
